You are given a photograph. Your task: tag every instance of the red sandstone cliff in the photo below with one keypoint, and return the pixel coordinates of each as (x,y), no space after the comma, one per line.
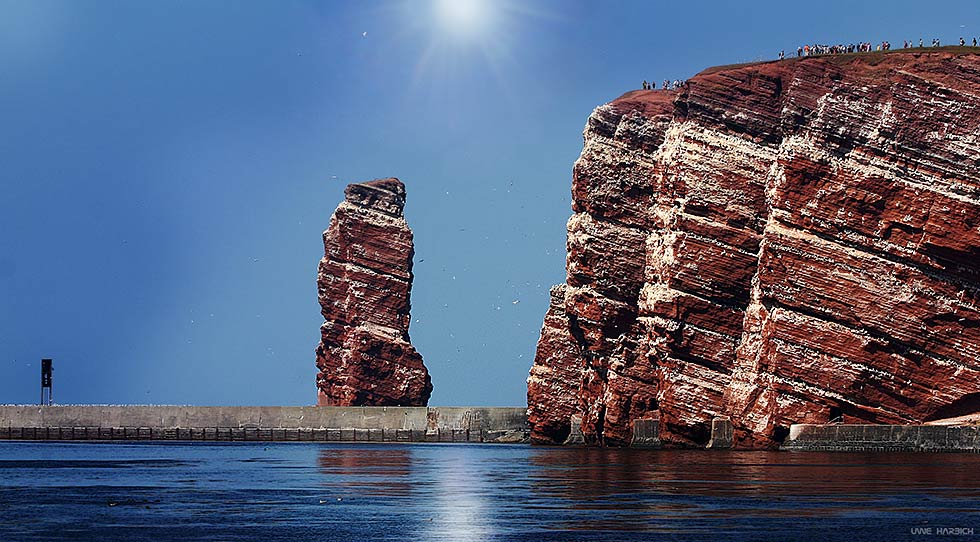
(787,242)
(365,355)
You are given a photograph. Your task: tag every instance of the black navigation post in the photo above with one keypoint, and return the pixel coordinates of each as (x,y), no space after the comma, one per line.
(46,380)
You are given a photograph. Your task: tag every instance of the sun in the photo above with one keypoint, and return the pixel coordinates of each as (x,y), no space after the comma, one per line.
(464,18)
(459,39)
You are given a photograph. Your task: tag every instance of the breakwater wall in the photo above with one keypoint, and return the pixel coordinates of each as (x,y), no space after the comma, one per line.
(244,423)
(883,438)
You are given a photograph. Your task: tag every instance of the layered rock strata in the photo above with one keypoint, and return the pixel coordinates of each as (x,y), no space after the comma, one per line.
(787,242)
(553,381)
(365,355)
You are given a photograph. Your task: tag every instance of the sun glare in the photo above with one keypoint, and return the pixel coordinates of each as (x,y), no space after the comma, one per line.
(463,17)
(460,38)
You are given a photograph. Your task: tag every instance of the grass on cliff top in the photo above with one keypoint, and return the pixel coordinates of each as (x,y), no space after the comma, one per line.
(873,57)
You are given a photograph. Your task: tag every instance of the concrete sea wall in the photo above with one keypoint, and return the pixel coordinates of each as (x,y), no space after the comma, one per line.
(342,424)
(417,424)
(883,438)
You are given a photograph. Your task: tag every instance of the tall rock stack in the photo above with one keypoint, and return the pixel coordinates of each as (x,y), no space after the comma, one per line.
(785,242)
(364,282)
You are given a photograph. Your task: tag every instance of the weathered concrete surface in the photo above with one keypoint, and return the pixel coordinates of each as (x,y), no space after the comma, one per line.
(452,424)
(722,433)
(575,436)
(883,438)
(646,433)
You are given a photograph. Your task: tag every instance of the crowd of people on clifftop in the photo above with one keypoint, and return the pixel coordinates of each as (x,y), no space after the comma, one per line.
(668,84)
(839,49)
(863,47)
(820,49)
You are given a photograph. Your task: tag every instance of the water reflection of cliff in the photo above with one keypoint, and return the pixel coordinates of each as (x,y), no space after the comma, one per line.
(473,492)
(577,472)
(625,489)
(382,470)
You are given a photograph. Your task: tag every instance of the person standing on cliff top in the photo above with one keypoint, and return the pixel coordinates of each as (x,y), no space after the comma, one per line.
(974,42)
(646,85)
(920,42)
(962,41)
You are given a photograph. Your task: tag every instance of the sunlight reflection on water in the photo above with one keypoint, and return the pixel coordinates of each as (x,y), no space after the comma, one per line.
(307,491)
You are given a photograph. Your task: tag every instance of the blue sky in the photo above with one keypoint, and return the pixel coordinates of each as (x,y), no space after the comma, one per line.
(167,169)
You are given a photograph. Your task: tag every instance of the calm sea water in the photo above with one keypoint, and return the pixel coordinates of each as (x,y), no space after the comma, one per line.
(310,491)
